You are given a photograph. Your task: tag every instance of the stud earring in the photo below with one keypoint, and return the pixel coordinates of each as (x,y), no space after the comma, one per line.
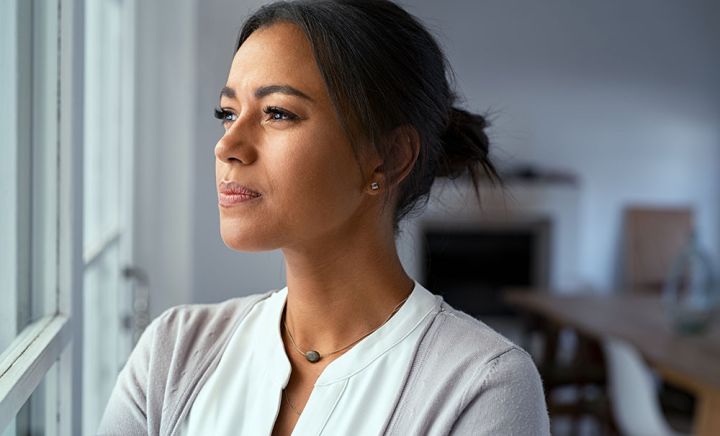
(374,186)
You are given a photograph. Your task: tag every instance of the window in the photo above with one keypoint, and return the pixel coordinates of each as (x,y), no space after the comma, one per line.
(38,218)
(111,308)
(66,134)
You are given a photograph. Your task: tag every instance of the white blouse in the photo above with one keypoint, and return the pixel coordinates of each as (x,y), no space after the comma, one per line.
(354,394)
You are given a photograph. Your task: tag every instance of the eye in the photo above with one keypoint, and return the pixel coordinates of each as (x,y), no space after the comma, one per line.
(278,114)
(224,115)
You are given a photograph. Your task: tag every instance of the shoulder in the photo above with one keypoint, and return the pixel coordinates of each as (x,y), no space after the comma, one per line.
(185,339)
(470,350)
(179,347)
(213,317)
(470,379)
(467,348)
(502,392)
(470,337)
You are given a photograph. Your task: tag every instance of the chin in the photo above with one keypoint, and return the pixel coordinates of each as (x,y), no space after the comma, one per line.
(240,240)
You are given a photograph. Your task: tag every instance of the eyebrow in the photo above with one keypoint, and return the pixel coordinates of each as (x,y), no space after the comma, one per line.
(264,91)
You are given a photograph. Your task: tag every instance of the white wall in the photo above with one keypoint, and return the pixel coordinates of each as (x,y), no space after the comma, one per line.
(623,93)
(218,272)
(165,100)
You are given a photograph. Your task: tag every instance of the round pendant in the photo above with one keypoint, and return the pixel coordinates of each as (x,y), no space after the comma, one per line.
(312,356)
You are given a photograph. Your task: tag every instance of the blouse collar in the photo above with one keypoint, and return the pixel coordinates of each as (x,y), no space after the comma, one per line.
(420,304)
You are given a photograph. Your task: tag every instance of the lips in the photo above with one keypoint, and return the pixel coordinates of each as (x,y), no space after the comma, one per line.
(232,194)
(227,187)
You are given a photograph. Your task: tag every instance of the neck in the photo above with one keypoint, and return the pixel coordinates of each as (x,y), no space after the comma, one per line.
(335,296)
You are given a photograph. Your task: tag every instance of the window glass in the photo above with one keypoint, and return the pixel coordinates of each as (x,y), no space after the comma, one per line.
(28,162)
(44,139)
(15,167)
(29,189)
(37,415)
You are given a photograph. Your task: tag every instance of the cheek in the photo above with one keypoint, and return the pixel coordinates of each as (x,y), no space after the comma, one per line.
(322,162)
(320,173)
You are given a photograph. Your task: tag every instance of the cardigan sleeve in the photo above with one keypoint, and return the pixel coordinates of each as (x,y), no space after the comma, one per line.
(126,413)
(506,398)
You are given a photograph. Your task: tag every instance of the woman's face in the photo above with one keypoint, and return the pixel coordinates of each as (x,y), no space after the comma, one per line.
(283,140)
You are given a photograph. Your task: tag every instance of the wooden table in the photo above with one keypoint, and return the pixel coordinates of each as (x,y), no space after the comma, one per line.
(691,362)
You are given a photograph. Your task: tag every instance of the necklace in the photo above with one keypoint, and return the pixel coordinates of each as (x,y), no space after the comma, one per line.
(287,400)
(314,356)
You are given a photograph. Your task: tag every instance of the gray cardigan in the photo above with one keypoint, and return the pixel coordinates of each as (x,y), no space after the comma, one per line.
(465,378)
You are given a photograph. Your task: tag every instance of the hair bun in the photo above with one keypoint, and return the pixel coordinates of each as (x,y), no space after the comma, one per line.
(465,145)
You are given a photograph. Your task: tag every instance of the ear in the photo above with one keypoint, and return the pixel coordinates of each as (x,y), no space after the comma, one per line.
(404,140)
(404,143)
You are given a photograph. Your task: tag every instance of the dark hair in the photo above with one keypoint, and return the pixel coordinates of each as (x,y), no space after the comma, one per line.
(383,70)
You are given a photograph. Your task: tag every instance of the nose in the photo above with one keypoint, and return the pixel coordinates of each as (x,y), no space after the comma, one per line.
(237,144)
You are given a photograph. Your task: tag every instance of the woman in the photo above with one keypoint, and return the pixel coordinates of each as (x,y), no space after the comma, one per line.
(338,117)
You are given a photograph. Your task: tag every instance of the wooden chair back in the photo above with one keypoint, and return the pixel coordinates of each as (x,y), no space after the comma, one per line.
(653,239)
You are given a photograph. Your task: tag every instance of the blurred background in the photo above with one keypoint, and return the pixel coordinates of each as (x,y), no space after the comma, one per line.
(605,125)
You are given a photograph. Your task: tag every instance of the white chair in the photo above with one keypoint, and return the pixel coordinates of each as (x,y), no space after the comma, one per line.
(633,394)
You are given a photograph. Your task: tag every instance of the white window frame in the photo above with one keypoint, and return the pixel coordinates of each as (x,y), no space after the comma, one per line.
(57,338)
(113,316)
